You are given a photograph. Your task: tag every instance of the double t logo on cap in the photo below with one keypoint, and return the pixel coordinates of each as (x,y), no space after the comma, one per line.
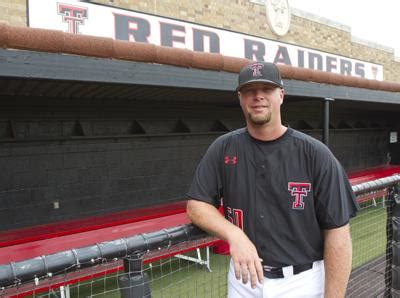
(256,67)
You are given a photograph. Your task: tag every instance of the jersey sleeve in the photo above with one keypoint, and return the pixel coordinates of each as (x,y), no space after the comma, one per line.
(207,182)
(335,199)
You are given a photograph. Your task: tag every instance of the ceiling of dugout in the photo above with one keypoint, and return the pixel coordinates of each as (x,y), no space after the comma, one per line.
(63,90)
(56,75)
(12,89)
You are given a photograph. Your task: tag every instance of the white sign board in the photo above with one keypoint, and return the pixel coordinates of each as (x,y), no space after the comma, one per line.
(94,19)
(393,137)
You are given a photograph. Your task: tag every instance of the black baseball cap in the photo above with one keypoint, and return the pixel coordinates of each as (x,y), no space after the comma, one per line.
(260,72)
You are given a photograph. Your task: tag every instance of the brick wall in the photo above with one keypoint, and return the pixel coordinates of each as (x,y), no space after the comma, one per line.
(90,177)
(92,157)
(241,16)
(356,139)
(13,12)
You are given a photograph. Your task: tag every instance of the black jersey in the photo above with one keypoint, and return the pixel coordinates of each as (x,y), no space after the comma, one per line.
(282,193)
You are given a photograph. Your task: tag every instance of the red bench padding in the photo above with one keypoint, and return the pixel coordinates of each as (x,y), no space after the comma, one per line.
(358,177)
(32,249)
(18,236)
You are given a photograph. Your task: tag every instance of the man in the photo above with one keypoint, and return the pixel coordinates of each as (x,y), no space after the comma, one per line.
(286,198)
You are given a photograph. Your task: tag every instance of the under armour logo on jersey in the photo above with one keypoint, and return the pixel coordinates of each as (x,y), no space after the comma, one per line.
(256,67)
(299,190)
(229,160)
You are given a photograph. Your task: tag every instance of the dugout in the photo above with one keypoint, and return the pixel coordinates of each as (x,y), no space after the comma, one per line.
(93,126)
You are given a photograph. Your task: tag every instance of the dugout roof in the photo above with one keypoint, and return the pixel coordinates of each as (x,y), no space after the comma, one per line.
(39,62)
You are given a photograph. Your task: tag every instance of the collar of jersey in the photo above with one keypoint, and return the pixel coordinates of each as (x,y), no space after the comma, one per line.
(283,137)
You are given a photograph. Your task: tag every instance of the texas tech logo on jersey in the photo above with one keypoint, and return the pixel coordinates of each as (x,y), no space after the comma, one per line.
(299,190)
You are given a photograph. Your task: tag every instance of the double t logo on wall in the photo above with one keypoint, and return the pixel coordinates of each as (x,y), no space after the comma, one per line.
(73,15)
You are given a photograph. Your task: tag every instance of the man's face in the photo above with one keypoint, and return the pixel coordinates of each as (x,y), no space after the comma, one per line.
(261,103)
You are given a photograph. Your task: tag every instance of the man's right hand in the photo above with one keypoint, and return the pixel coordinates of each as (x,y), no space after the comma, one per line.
(245,259)
(243,252)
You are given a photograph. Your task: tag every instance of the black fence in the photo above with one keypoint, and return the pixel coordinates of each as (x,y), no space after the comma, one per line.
(131,249)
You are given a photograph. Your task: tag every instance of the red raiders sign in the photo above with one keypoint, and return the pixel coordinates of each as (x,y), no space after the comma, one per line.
(94,19)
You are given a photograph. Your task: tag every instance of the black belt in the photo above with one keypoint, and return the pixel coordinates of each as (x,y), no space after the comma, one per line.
(277,272)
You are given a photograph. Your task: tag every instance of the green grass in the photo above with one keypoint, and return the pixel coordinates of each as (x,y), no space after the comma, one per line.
(174,277)
(368,231)
(179,278)
(171,277)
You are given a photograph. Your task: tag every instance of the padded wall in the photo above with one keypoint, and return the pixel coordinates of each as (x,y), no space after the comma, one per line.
(97,157)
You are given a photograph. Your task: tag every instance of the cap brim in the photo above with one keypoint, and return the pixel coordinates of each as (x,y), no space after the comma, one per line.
(259,81)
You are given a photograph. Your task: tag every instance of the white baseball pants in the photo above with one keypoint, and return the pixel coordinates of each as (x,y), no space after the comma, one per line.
(307,284)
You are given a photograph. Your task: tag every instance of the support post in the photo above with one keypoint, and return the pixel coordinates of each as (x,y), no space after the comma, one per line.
(134,283)
(325,132)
